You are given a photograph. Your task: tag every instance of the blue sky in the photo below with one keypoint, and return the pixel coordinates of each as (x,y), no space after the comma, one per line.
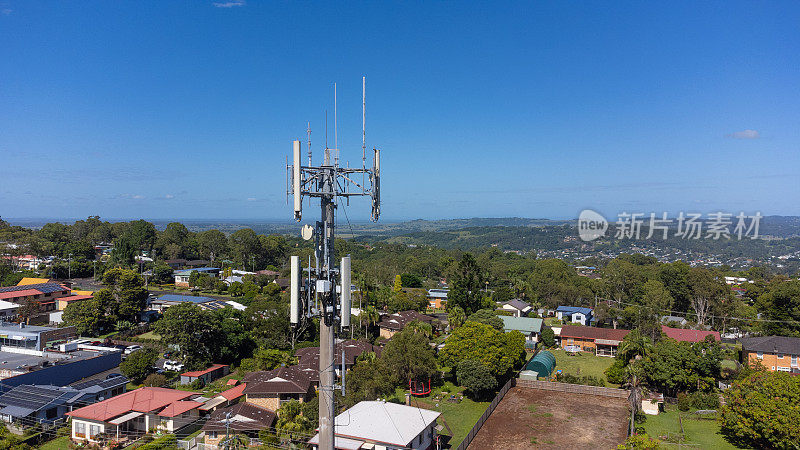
(187,109)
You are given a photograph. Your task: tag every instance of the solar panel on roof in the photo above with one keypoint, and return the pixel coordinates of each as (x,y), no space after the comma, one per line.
(28,396)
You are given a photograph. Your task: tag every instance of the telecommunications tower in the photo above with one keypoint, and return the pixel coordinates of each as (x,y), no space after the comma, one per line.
(324,289)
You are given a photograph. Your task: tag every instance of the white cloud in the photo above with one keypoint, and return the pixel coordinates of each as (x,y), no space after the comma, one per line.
(6,11)
(229,4)
(169,196)
(138,196)
(251,199)
(745,134)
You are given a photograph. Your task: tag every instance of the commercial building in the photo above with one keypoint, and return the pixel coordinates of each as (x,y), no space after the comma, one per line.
(33,337)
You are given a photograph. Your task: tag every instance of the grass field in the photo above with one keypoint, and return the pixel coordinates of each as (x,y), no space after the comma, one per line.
(697,433)
(460,417)
(150,335)
(583,364)
(56,444)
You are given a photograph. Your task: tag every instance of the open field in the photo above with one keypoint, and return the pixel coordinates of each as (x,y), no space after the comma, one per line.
(583,364)
(532,418)
(697,432)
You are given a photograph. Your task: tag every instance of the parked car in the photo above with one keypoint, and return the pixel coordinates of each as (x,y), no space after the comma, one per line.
(113,375)
(132,348)
(173,365)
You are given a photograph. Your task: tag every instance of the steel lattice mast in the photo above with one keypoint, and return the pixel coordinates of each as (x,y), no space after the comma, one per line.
(328,182)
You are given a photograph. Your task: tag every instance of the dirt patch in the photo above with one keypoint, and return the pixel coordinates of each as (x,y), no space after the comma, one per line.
(532,418)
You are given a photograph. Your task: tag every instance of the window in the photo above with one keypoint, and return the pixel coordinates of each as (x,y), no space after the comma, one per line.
(80,429)
(760,355)
(94,430)
(794,360)
(780,355)
(783,369)
(212,434)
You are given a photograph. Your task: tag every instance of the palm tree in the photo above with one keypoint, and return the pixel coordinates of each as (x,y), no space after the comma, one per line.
(635,346)
(635,385)
(456,317)
(369,316)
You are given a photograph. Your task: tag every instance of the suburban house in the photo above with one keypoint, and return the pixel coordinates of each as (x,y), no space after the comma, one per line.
(517,307)
(602,341)
(308,357)
(165,301)
(529,326)
(182,276)
(684,335)
(175,263)
(206,375)
(270,389)
(437,298)
(674,319)
(394,323)
(575,314)
(134,413)
(776,353)
(242,418)
(365,425)
(28,404)
(224,398)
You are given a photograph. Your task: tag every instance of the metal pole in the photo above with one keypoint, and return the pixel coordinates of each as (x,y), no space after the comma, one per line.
(327,327)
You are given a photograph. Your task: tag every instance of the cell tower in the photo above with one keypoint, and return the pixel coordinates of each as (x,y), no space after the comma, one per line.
(324,284)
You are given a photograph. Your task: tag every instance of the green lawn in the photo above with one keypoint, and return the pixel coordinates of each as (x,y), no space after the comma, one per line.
(698,433)
(460,417)
(150,335)
(56,444)
(583,364)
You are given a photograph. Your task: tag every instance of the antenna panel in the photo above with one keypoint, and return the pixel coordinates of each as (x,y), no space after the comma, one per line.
(294,305)
(346,299)
(296,181)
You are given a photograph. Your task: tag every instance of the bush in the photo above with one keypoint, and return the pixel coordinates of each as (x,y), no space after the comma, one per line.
(616,372)
(476,377)
(548,337)
(705,400)
(684,401)
(197,384)
(587,380)
(155,380)
(165,442)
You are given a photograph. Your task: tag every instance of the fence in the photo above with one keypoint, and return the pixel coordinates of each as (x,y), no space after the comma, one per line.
(485,416)
(573,388)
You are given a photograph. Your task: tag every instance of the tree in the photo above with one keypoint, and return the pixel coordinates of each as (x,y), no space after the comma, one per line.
(367,380)
(212,244)
(127,288)
(655,301)
(265,359)
(174,241)
(410,280)
(705,293)
(487,316)
(155,380)
(291,422)
(634,345)
(761,411)
(139,364)
(409,356)
(781,304)
(497,351)
(86,316)
(466,287)
(193,330)
(244,245)
(548,337)
(423,328)
(398,284)
(456,317)
(476,377)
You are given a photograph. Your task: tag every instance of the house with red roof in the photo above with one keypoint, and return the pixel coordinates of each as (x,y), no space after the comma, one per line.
(684,335)
(207,375)
(601,341)
(135,413)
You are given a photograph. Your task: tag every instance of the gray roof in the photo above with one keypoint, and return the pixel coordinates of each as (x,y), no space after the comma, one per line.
(772,344)
(518,304)
(25,399)
(526,325)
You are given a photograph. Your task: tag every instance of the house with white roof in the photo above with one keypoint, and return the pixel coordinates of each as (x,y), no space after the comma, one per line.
(381,425)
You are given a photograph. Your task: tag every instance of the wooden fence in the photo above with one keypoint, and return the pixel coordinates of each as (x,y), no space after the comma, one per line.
(573,388)
(485,416)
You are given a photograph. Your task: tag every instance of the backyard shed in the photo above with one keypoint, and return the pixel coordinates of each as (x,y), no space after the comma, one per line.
(543,363)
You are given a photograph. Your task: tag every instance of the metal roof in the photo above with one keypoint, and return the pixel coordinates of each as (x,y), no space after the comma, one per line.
(184,298)
(33,398)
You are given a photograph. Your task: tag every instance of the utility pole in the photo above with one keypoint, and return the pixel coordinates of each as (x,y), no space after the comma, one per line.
(69,267)
(328,182)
